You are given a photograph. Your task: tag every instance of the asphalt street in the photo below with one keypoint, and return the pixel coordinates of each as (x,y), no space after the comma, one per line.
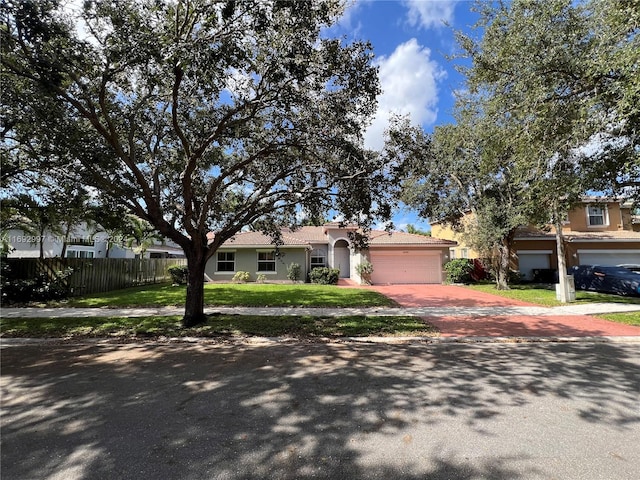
(321,410)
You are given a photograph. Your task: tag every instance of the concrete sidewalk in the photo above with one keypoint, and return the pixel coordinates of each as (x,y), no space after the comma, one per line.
(589,309)
(459,322)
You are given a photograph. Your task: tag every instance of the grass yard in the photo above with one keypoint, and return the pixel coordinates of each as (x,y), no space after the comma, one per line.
(234,295)
(543,295)
(630,318)
(217,326)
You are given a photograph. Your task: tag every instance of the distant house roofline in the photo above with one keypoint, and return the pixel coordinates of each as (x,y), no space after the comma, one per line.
(308,236)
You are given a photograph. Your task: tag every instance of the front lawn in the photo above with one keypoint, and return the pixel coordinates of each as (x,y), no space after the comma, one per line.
(628,318)
(235,295)
(218,326)
(546,296)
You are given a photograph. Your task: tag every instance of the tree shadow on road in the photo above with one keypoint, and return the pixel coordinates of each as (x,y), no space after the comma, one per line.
(514,324)
(299,410)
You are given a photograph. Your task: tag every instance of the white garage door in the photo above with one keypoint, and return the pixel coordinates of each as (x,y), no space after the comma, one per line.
(608,258)
(532,260)
(406,267)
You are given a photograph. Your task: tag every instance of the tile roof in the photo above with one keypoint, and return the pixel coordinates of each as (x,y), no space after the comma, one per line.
(530,232)
(309,234)
(574,236)
(379,237)
(259,239)
(618,235)
(305,236)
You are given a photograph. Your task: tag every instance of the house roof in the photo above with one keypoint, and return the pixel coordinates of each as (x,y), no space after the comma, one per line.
(614,235)
(246,239)
(378,237)
(165,249)
(308,235)
(527,233)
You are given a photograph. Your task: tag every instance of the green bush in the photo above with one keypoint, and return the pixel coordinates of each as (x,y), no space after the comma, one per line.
(261,278)
(459,270)
(294,272)
(241,277)
(324,275)
(179,274)
(365,270)
(515,277)
(40,288)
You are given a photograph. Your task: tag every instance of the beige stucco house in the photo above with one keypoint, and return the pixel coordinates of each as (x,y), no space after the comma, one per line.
(396,257)
(598,231)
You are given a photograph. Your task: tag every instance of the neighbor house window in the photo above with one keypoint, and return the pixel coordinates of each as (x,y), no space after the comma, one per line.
(226,262)
(266,261)
(79,254)
(318,259)
(87,241)
(452,253)
(597,216)
(464,253)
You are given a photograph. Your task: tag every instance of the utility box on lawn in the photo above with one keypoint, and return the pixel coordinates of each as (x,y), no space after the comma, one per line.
(570,292)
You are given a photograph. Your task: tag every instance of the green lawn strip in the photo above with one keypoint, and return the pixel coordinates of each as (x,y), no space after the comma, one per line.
(628,318)
(546,296)
(247,295)
(218,325)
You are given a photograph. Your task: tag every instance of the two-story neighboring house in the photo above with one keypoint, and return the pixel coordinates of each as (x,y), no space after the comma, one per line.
(599,231)
(83,242)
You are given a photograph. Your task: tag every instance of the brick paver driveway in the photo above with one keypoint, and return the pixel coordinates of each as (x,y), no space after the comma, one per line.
(443,296)
(499,324)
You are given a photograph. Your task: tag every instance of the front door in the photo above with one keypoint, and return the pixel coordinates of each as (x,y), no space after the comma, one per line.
(341,258)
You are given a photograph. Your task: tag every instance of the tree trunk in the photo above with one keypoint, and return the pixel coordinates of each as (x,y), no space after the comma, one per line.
(67,232)
(504,261)
(562,263)
(194,304)
(41,241)
(502,272)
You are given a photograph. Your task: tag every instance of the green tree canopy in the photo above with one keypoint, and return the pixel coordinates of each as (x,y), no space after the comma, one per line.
(562,77)
(549,112)
(204,116)
(565,74)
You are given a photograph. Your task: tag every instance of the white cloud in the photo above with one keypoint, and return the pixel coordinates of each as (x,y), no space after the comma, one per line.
(409,80)
(430,13)
(348,22)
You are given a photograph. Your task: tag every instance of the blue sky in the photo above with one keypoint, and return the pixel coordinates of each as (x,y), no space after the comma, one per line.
(411,40)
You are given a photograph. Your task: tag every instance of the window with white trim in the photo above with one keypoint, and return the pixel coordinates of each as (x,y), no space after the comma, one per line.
(597,216)
(452,253)
(266,261)
(79,254)
(226,262)
(464,253)
(318,259)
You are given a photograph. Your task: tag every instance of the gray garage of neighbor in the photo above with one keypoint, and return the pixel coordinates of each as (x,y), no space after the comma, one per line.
(608,257)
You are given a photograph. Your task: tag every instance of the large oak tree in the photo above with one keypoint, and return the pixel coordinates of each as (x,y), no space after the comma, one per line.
(565,74)
(549,112)
(204,116)
(465,176)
